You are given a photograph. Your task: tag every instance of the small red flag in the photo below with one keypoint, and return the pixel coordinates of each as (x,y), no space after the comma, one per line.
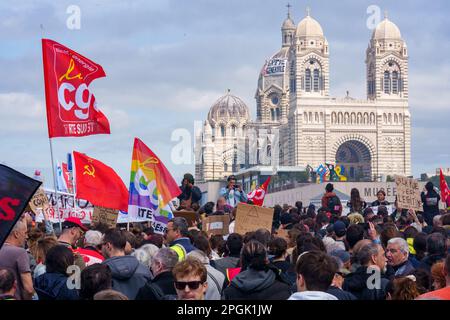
(443,187)
(257,195)
(71,107)
(99,184)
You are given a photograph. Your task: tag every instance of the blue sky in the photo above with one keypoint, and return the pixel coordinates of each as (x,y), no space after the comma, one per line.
(168,61)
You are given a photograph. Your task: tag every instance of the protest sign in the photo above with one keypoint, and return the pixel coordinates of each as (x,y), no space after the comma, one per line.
(217,225)
(105,215)
(408,194)
(39,201)
(251,218)
(190,216)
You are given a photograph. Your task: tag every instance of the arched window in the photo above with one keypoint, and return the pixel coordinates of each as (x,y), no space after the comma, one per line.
(225,167)
(308,80)
(278,113)
(387,82)
(316,117)
(233,130)
(395,85)
(390,118)
(395,118)
(222,131)
(316,80)
(384,118)
(272,114)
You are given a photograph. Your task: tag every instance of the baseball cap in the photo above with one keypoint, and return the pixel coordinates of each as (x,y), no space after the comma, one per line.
(339,228)
(72,222)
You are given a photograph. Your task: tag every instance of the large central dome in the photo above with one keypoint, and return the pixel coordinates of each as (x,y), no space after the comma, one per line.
(229,107)
(386,29)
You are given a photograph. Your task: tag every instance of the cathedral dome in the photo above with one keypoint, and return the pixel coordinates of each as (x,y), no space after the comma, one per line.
(229,107)
(386,29)
(309,27)
(288,24)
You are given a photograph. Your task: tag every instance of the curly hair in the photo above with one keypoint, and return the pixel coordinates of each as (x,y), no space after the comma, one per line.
(404,288)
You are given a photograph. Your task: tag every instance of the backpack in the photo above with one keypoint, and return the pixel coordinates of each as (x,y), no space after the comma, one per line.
(334,205)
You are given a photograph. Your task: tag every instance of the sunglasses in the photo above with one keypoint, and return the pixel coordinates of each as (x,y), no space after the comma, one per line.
(193,285)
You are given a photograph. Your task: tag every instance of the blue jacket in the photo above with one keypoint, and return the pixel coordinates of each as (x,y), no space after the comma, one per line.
(233,198)
(53,286)
(185,242)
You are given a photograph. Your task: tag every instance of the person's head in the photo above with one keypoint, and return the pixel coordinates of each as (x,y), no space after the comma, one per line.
(234,244)
(329,187)
(40,250)
(383,211)
(420,244)
(354,195)
(164,261)
(438,275)
(322,219)
(404,288)
(437,221)
(93,238)
(278,247)
(410,232)
(231,181)
(8,284)
(95,278)
(372,255)
(354,234)
(368,214)
(131,241)
(429,186)
(397,251)
(381,195)
(436,244)
(176,228)
(339,229)
(113,244)
(72,230)
(58,259)
(299,206)
(216,241)
(263,236)
(202,243)
(145,254)
(18,235)
(389,231)
(315,271)
(254,256)
(208,208)
(190,277)
(110,294)
(188,179)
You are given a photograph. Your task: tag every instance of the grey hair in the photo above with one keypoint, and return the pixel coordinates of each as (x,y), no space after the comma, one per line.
(145,254)
(366,252)
(199,255)
(181,224)
(401,243)
(167,257)
(93,237)
(19,224)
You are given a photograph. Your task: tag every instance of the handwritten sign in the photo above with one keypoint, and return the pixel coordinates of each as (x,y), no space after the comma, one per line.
(251,218)
(39,201)
(190,216)
(105,215)
(408,194)
(217,225)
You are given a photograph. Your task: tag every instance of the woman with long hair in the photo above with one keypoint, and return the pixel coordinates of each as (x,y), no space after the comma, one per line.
(356,203)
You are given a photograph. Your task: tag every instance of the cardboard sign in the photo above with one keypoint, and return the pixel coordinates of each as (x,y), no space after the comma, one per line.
(39,201)
(190,216)
(217,225)
(251,218)
(408,194)
(105,215)
(283,233)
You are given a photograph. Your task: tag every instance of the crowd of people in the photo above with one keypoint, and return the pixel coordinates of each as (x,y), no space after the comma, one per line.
(309,254)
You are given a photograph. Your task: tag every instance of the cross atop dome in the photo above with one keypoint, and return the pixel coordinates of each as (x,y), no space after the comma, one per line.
(308,11)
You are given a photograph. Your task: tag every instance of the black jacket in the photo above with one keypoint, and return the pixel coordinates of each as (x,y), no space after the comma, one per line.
(287,269)
(430,202)
(53,286)
(253,284)
(356,284)
(428,261)
(164,281)
(186,194)
(340,294)
(402,270)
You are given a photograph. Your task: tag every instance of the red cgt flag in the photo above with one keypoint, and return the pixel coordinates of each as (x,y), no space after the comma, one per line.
(443,187)
(99,184)
(71,107)
(257,195)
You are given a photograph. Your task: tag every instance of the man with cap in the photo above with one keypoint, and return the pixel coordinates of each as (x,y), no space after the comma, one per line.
(72,231)
(190,194)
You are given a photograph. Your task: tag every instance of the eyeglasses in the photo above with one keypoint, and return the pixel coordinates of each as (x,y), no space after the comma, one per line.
(193,285)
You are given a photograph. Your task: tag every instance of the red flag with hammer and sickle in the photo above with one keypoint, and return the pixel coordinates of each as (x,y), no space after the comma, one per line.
(72,110)
(99,184)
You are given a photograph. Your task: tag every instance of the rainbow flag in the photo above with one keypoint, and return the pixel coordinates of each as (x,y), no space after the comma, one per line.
(151,188)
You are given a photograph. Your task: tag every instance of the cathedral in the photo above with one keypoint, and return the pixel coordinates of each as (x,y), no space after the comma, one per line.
(298,124)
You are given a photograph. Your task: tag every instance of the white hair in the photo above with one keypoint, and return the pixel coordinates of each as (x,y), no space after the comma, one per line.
(93,238)
(199,255)
(437,220)
(145,254)
(401,243)
(20,224)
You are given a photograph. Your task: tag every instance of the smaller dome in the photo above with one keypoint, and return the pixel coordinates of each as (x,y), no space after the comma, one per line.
(288,24)
(309,27)
(386,29)
(229,107)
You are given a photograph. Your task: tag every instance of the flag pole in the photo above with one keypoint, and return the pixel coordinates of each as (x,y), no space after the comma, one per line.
(54,183)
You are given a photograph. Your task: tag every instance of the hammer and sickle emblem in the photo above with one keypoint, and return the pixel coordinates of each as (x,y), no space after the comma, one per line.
(89,170)
(151,160)
(69,70)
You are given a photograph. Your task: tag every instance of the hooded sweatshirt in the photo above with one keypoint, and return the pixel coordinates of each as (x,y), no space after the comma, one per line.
(325,201)
(128,275)
(312,295)
(258,285)
(356,284)
(53,286)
